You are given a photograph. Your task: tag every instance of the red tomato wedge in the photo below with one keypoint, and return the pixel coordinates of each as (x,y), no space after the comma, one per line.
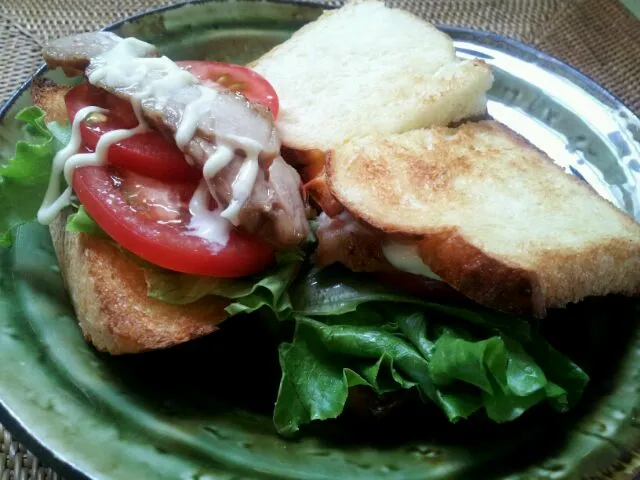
(147,153)
(236,78)
(150,218)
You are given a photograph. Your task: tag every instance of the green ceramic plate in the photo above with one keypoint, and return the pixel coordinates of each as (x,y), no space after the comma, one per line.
(203,410)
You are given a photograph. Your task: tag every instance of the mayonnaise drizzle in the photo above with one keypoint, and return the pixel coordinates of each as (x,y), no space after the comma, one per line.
(193,113)
(67,160)
(246,177)
(128,65)
(53,201)
(242,187)
(99,156)
(207,223)
(217,161)
(116,68)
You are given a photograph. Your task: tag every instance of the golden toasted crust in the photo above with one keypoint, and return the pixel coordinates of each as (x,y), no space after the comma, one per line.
(49,96)
(108,289)
(496,218)
(109,294)
(467,268)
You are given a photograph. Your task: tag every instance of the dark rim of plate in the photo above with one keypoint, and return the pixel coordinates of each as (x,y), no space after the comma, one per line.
(65,466)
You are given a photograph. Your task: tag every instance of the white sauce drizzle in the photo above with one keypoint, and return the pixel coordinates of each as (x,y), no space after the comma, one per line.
(241,188)
(193,112)
(126,65)
(99,156)
(217,161)
(207,223)
(54,201)
(245,180)
(67,160)
(404,256)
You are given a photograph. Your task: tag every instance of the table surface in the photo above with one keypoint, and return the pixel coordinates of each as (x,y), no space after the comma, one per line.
(564,28)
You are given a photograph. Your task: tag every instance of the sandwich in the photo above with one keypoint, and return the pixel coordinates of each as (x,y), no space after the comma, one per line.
(411,244)
(475,205)
(139,159)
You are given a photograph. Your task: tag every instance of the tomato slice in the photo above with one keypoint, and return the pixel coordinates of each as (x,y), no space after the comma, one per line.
(147,153)
(236,78)
(150,218)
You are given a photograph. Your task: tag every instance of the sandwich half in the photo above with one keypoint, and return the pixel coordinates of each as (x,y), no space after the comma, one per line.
(488,214)
(176,174)
(473,206)
(108,289)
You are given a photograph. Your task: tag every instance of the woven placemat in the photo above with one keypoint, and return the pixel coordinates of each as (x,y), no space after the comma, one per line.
(599,37)
(17,463)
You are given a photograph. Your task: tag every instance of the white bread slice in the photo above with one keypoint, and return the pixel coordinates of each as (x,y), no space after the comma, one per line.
(367,69)
(108,289)
(495,218)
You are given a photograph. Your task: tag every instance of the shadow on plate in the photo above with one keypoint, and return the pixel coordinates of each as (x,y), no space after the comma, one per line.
(237,367)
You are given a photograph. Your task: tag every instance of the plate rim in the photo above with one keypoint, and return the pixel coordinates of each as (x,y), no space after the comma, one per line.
(64,466)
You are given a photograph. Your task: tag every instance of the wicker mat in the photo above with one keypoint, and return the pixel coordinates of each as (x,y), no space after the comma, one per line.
(599,37)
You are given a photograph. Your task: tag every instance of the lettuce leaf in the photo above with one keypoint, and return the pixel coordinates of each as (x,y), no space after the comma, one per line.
(337,290)
(82,222)
(267,289)
(24,179)
(462,359)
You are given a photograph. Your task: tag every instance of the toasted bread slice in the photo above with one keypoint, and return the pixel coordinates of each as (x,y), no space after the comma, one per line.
(108,289)
(109,294)
(495,217)
(367,69)
(49,96)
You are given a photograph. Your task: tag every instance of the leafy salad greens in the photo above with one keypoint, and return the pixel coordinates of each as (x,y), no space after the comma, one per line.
(349,329)
(352,331)
(24,178)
